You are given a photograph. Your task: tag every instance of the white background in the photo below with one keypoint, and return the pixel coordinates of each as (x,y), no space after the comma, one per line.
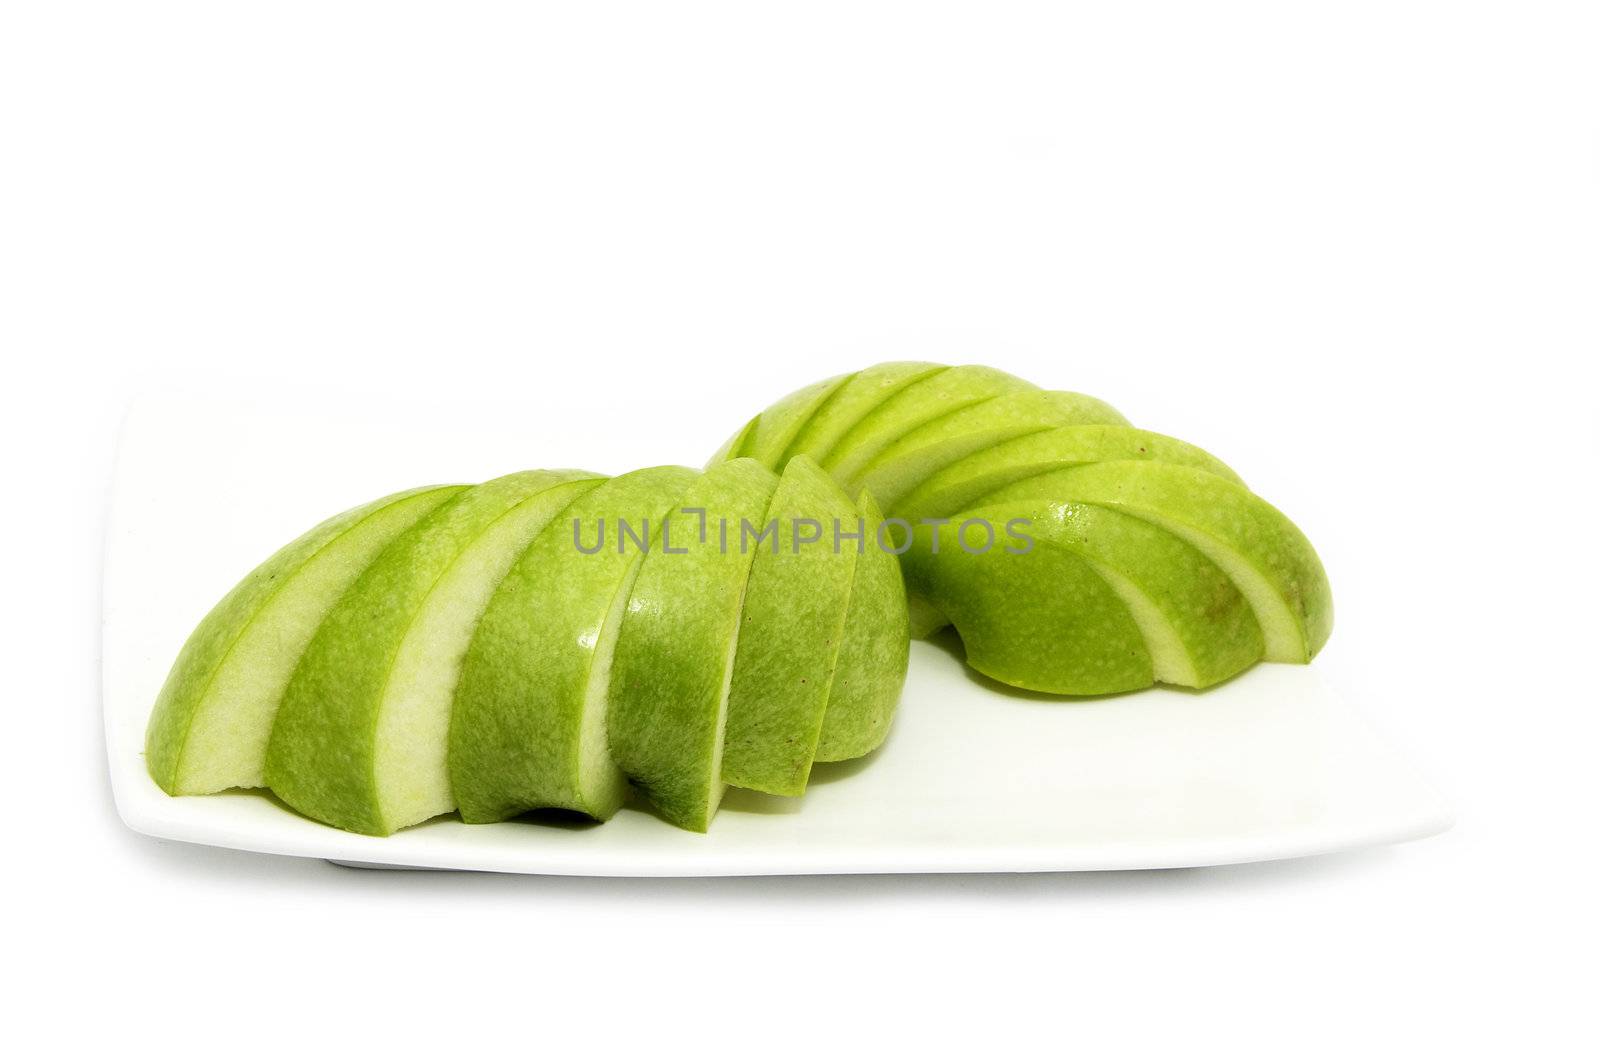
(1354,249)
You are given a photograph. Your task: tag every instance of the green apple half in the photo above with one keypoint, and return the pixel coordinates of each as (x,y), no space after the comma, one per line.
(361,736)
(674,657)
(1087,614)
(214,716)
(530,726)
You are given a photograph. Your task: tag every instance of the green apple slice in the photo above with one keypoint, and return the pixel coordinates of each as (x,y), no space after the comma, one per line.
(871,669)
(731,448)
(1043,620)
(789,638)
(1263,553)
(775,429)
(960,484)
(911,459)
(853,400)
(213,717)
(674,655)
(910,408)
(361,736)
(529,729)
(1197,627)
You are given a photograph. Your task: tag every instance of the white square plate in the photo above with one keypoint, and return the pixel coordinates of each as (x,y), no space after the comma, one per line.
(973,777)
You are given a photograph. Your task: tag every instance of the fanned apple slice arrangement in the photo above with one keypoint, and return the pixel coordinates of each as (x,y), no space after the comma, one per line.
(1072,552)
(544,640)
(552,638)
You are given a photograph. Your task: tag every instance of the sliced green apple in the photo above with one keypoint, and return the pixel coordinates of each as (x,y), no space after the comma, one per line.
(850,402)
(774,431)
(1263,553)
(959,484)
(910,408)
(917,455)
(213,717)
(731,448)
(789,638)
(1042,620)
(361,735)
(1197,628)
(529,729)
(871,668)
(675,651)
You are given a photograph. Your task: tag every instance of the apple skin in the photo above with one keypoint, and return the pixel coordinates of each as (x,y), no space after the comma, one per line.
(734,447)
(854,400)
(937,444)
(529,728)
(772,432)
(789,638)
(1190,625)
(361,735)
(928,399)
(674,656)
(963,481)
(1265,555)
(213,718)
(871,669)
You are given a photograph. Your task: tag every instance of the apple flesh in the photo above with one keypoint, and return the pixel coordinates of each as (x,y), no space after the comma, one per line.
(529,729)
(213,718)
(360,738)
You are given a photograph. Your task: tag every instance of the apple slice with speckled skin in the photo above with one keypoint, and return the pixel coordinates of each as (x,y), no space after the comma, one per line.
(1191,625)
(847,404)
(214,716)
(768,437)
(674,657)
(929,399)
(529,729)
(1263,553)
(964,481)
(789,638)
(939,443)
(871,669)
(360,739)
